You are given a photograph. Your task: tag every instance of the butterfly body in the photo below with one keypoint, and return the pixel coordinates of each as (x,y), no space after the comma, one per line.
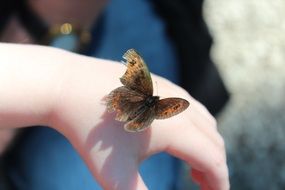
(151,101)
(134,102)
(148,103)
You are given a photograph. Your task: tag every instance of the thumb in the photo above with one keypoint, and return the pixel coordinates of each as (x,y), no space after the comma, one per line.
(118,176)
(125,182)
(114,174)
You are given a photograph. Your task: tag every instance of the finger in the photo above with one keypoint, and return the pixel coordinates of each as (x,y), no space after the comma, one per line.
(204,186)
(204,112)
(197,176)
(201,118)
(206,125)
(115,176)
(113,170)
(131,181)
(140,184)
(200,153)
(126,182)
(199,115)
(180,92)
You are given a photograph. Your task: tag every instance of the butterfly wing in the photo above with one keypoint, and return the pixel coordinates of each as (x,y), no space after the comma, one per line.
(142,121)
(137,76)
(125,102)
(169,107)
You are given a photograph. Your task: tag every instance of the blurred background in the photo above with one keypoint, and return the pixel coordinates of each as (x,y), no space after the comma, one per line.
(249,51)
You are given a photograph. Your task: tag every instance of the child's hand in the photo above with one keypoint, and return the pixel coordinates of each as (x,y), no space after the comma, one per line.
(114,155)
(47,86)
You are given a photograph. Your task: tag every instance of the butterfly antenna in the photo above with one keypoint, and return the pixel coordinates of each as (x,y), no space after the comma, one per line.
(156,88)
(124,62)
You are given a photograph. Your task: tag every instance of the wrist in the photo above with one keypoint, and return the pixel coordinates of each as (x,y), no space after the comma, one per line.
(29,80)
(79,104)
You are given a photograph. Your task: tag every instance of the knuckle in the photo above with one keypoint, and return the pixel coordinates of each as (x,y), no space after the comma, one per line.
(213,121)
(220,171)
(221,142)
(227,185)
(184,92)
(219,161)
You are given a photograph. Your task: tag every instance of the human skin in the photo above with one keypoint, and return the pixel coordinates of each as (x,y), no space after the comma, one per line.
(65,91)
(81,13)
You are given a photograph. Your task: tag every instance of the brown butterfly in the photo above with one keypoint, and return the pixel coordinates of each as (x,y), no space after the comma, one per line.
(134,102)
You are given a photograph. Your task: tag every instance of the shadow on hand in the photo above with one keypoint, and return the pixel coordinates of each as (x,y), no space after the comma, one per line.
(126,150)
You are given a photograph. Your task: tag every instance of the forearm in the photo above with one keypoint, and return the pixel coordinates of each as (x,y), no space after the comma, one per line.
(42,85)
(29,80)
